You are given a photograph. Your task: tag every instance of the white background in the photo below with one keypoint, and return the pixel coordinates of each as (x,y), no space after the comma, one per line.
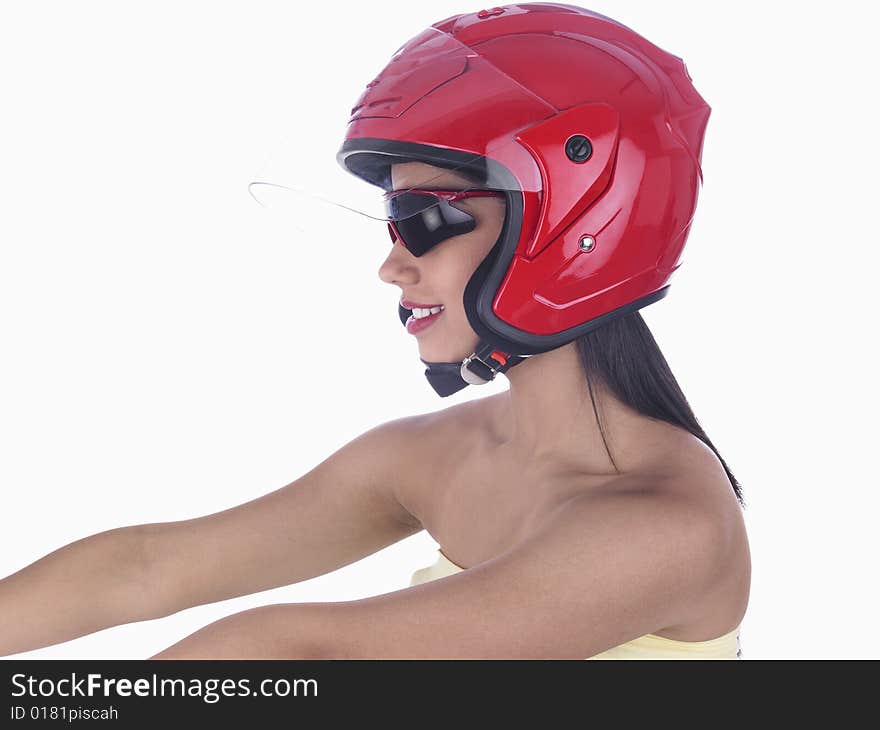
(171,349)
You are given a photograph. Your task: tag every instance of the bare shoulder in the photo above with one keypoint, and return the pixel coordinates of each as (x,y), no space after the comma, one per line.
(450,425)
(685,473)
(419,449)
(455,427)
(685,465)
(692,480)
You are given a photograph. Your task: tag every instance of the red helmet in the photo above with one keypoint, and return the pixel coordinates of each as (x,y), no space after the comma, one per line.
(595,135)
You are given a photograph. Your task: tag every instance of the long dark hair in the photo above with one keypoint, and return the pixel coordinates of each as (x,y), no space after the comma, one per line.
(624,357)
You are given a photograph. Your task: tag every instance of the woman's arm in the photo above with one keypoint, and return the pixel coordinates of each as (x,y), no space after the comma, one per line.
(279,631)
(88,585)
(604,570)
(344,509)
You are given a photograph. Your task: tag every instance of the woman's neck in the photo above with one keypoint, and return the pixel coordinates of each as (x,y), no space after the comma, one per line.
(547,415)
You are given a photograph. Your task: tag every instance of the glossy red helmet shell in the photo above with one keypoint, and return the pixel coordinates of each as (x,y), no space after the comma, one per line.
(594,229)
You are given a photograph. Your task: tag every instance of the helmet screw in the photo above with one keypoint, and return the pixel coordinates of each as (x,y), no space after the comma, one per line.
(578,148)
(587,243)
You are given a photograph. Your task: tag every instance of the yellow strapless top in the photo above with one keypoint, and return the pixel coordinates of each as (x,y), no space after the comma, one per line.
(649,646)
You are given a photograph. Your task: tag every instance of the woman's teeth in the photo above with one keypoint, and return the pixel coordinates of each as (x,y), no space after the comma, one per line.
(419,313)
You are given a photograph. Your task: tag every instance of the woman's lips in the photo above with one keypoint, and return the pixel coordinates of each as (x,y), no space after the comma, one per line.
(408,304)
(414,326)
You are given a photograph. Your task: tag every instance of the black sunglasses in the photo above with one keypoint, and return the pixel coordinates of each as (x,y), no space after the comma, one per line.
(420,219)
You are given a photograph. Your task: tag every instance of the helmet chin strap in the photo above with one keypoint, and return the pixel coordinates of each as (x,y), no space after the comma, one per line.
(478,368)
(445,377)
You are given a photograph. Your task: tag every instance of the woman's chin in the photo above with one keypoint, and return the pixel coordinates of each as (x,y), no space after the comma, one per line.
(437,354)
(430,356)
(441,349)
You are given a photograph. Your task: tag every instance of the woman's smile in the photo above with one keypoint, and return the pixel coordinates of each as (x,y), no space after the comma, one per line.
(418,322)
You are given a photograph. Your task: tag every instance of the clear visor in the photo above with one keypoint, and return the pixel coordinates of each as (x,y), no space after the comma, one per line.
(306,185)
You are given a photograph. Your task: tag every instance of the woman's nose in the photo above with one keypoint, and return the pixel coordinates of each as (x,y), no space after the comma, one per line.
(399,266)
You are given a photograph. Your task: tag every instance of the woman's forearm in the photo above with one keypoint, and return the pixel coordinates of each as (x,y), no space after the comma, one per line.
(279,631)
(88,585)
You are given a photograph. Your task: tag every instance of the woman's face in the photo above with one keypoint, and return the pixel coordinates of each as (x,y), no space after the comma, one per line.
(440,275)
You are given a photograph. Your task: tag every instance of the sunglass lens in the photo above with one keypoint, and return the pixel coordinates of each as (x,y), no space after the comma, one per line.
(423,221)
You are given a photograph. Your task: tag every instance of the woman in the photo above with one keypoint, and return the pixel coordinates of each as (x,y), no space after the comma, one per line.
(540,164)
